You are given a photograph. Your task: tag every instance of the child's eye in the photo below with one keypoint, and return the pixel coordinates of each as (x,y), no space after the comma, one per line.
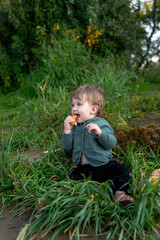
(79,104)
(72,105)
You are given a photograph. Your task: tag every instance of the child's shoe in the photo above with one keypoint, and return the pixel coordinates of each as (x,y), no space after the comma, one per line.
(123,198)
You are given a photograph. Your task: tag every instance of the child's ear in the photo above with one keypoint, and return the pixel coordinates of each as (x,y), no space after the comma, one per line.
(94,109)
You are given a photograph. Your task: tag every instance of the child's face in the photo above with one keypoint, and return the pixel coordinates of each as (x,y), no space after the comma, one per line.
(83,109)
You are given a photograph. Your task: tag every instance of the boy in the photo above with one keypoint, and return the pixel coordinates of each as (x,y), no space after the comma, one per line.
(92,141)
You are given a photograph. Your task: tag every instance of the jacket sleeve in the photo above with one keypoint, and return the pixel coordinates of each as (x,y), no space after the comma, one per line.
(107,139)
(67,141)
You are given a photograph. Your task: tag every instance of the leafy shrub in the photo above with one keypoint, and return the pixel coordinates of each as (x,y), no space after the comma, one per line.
(69,65)
(152,74)
(103,26)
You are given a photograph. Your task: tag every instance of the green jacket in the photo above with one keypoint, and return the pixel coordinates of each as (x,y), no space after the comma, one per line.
(97,150)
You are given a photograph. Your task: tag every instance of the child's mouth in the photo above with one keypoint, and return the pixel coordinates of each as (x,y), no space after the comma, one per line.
(78,115)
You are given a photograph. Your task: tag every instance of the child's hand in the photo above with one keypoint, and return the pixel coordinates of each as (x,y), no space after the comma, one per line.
(94,128)
(67,124)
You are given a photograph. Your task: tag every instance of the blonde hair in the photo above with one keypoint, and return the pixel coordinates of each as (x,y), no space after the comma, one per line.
(94,94)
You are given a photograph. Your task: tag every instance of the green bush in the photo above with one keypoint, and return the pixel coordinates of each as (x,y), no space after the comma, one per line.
(69,65)
(102,27)
(152,74)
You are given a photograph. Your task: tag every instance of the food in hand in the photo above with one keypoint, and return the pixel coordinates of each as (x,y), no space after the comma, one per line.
(74,123)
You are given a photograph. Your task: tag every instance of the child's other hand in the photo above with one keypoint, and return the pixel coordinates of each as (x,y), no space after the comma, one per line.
(67,125)
(94,128)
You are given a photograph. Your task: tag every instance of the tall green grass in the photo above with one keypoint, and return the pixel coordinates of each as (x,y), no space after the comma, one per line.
(43,101)
(83,208)
(69,65)
(35,120)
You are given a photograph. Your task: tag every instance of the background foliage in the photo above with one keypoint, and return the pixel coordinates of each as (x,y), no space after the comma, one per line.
(105,28)
(47,49)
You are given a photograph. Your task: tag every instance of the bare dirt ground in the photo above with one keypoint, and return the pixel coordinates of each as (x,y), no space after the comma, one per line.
(146,120)
(10,227)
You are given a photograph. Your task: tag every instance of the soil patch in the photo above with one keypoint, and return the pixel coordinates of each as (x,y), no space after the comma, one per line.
(146,120)
(30,155)
(148,137)
(141,131)
(10,227)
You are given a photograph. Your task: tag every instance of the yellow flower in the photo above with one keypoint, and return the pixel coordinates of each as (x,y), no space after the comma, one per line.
(55,27)
(93,36)
(93,41)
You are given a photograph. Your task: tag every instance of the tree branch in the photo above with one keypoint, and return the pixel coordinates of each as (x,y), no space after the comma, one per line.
(149,40)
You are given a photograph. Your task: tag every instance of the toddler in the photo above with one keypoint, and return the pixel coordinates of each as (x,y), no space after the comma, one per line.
(92,141)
